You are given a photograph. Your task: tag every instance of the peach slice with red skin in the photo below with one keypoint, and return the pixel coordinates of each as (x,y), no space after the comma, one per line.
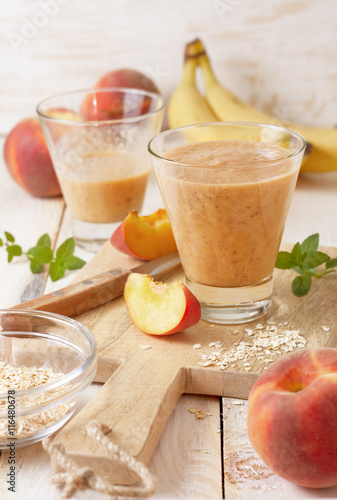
(292,417)
(145,237)
(159,308)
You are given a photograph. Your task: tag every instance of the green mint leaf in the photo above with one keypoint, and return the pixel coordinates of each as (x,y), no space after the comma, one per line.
(13,251)
(301,285)
(42,254)
(284,261)
(331,263)
(66,249)
(44,241)
(1,243)
(310,244)
(296,254)
(16,250)
(10,255)
(299,270)
(9,237)
(36,266)
(304,259)
(314,259)
(73,263)
(56,270)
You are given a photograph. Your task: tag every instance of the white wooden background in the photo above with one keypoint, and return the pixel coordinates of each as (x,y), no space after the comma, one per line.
(280,55)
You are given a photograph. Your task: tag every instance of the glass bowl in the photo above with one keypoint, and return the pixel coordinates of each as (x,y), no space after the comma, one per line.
(46,362)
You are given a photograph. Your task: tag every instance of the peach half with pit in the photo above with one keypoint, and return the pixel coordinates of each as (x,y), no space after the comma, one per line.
(159,308)
(292,417)
(145,237)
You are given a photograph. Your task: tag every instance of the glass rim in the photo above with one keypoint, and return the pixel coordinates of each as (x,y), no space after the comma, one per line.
(227,124)
(67,377)
(125,90)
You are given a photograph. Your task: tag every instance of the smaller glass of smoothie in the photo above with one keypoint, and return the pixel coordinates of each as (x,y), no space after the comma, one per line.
(98,140)
(227,188)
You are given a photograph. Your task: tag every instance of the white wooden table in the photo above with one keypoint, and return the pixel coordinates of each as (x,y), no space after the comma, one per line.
(208,458)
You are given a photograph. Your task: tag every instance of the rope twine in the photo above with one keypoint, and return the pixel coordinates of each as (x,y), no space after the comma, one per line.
(74,477)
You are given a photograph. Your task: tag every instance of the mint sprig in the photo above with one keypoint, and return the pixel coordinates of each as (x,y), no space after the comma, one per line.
(305,258)
(13,250)
(42,254)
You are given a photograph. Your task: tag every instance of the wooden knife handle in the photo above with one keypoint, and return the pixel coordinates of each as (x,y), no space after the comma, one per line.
(83,296)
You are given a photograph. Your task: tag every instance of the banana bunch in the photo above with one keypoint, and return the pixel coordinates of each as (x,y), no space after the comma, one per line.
(187,106)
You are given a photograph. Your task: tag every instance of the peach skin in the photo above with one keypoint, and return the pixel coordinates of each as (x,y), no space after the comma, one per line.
(145,237)
(292,417)
(28,159)
(159,308)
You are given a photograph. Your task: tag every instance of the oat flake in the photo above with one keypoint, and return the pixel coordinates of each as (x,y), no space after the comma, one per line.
(23,378)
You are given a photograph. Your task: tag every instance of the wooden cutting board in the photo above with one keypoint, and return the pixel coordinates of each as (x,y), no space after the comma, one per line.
(145,375)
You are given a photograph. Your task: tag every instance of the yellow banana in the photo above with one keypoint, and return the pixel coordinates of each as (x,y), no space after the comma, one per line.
(187,106)
(322,151)
(322,143)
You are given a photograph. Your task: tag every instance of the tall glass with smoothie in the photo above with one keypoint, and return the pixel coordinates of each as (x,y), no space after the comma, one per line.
(97,140)
(227,188)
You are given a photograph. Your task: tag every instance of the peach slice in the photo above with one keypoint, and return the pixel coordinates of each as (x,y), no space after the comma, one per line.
(145,237)
(160,308)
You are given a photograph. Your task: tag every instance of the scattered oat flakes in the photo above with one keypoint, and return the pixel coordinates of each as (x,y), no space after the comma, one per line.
(145,347)
(197,346)
(263,344)
(237,403)
(326,328)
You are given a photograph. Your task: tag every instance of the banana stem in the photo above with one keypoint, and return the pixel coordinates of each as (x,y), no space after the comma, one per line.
(195,51)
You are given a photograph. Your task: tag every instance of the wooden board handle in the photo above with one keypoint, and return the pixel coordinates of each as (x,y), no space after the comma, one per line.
(83,296)
(135,420)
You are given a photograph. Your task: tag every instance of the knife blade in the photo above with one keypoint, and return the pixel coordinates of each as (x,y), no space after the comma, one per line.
(93,292)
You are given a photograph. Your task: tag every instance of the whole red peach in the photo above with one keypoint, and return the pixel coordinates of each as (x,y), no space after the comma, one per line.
(28,160)
(127,78)
(112,105)
(292,417)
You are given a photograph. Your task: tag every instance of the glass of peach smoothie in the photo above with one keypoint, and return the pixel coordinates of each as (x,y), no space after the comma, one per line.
(227,188)
(97,140)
